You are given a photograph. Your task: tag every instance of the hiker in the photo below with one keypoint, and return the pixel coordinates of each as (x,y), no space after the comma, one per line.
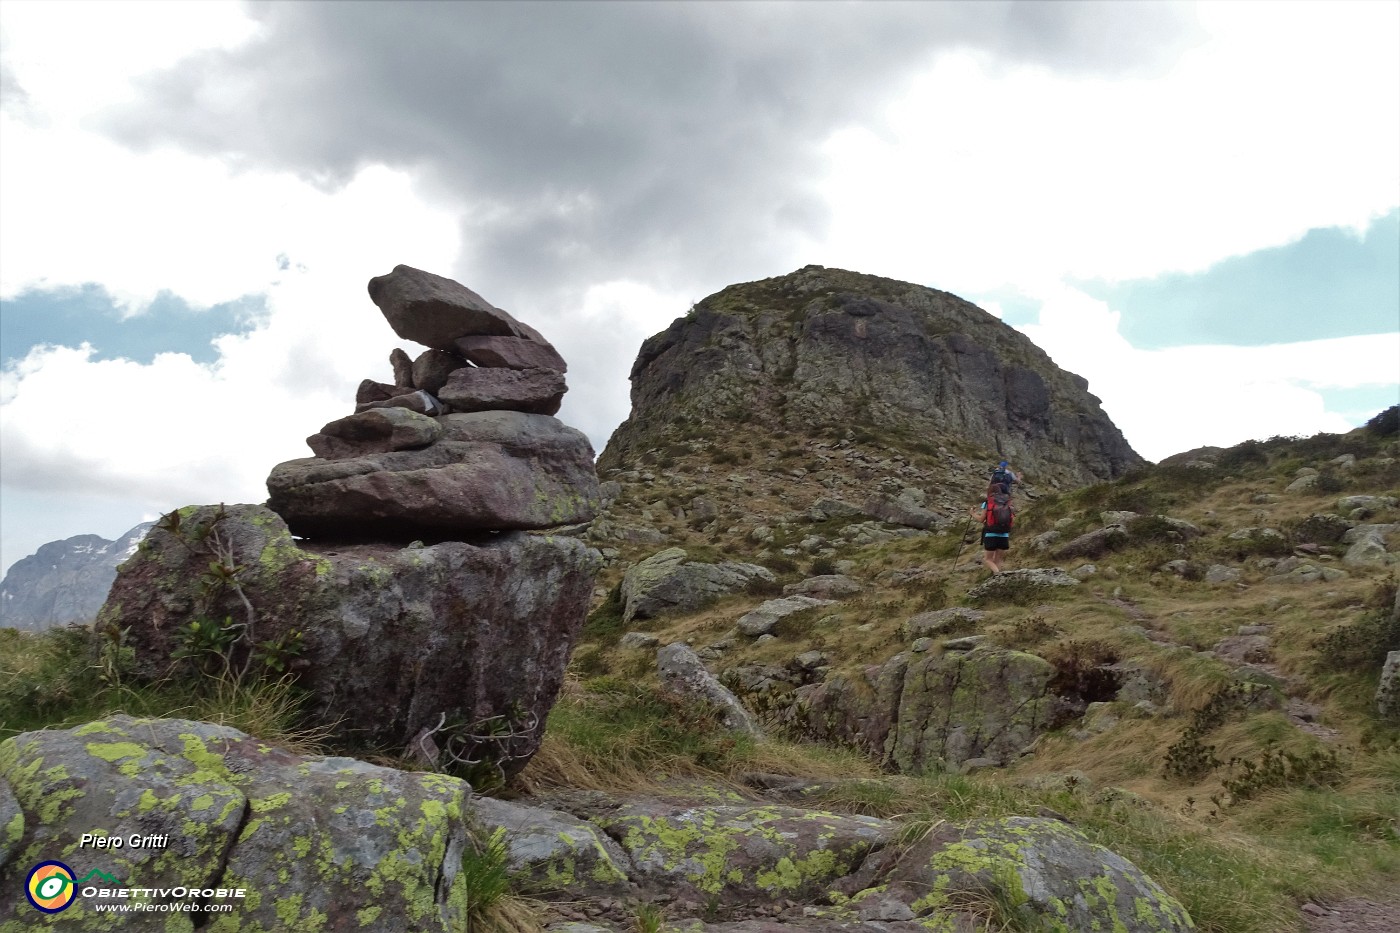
(996,514)
(1004,475)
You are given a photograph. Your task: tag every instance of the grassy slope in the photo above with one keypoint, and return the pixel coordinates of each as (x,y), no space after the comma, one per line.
(1327,826)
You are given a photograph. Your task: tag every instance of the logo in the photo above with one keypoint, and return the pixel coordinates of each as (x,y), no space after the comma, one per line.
(50,887)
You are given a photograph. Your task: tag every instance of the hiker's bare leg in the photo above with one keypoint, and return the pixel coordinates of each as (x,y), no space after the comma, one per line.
(990,559)
(1000,558)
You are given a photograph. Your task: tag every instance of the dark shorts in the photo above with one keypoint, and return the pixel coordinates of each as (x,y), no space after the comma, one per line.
(995,542)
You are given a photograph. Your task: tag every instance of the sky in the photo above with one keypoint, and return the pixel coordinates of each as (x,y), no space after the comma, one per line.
(1194,206)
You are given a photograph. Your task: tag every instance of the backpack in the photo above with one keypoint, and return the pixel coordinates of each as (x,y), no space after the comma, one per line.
(999,514)
(1002,477)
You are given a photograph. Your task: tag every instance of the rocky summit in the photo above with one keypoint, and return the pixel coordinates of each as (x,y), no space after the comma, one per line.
(64,581)
(828,353)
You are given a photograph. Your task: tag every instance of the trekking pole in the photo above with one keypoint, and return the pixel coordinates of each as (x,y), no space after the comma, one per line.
(962,542)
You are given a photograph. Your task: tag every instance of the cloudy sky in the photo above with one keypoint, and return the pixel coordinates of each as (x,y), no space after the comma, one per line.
(1196,207)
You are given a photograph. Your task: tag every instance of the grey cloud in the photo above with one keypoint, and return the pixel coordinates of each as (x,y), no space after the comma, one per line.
(604,139)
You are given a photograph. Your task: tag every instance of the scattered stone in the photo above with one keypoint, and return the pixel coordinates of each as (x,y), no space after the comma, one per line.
(670,581)
(966,643)
(1370,504)
(1084,571)
(762,621)
(1244,649)
(682,673)
(639,640)
(941,622)
(829,586)
(1219,573)
(1302,483)
(1388,693)
(1015,583)
(1094,544)
(1369,550)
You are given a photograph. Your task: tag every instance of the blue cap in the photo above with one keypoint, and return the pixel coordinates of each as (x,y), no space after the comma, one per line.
(1003,463)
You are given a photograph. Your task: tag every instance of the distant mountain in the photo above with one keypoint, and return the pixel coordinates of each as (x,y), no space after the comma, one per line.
(64,581)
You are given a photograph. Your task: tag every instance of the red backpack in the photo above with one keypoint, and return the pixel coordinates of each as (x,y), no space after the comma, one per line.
(998,514)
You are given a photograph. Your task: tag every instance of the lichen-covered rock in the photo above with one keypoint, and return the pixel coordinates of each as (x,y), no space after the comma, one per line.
(669,581)
(682,673)
(11,823)
(743,854)
(1387,693)
(1046,872)
(1022,585)
(392,639)
(495,470)
(984,703)
(826,586)
(941,622)
(1094,544)
(315,843)
(763,619)
(550,851)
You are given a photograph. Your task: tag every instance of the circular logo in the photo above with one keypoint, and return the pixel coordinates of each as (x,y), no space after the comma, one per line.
(50,887)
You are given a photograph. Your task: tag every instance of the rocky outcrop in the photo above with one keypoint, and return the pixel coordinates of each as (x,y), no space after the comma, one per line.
(931,712)
(64,581)
(306,843)
(387,641)
(462,442)
(820,350)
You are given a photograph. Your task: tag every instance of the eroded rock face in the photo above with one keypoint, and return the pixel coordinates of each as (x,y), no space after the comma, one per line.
(393,638)
(316,843)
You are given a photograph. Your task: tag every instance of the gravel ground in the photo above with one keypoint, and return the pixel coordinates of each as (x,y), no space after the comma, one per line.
(1354,915)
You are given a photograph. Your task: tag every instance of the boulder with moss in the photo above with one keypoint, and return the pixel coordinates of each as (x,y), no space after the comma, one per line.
(1044,874)
(744,853)
(313,843)
(386,641)
(669,581)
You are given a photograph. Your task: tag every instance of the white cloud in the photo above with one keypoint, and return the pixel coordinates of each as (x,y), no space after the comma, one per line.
(1167,401)
(986,174)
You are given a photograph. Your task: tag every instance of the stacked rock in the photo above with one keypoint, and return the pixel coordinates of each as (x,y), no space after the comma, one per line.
(463,441)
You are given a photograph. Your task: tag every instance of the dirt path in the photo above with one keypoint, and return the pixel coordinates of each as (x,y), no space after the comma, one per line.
(1354,915)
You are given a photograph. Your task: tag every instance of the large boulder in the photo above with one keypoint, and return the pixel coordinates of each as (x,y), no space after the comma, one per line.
(493,470)
(312,843)
(1047,874)
(391,640)
(670,581)
(986,703)
(437,312)
(549,851)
